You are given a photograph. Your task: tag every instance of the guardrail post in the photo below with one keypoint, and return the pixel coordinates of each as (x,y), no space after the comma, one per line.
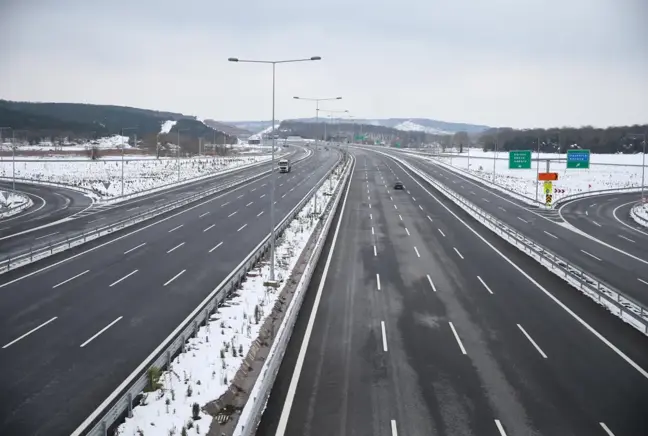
(168,357)
(104,428)
(129,398)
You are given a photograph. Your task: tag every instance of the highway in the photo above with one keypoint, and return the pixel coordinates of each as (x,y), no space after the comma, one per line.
(423,322)
(75,325)
(50,203)
(19,240)
(620,269)
(607,217)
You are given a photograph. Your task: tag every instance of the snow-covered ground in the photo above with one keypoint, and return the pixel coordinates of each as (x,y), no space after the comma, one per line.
(104,176)
(607,171)
(111,142)
(640,214)
(204,371)
(11,203)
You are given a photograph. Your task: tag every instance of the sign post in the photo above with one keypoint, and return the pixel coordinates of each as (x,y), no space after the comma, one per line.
(578,159)
(520,159)
(548,190)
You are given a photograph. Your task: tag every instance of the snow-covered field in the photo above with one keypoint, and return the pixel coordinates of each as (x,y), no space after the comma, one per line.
(607,171)
(640,214)
(112,142)
(204,371)
(103,177)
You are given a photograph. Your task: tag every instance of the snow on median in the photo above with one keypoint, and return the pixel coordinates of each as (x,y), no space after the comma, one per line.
(12,203)
(639,214)
(211,360)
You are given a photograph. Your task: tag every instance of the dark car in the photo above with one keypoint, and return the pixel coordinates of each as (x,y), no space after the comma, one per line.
(398,185)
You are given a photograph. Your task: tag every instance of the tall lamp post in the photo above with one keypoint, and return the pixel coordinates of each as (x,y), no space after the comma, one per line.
(332,112)
(273,176)
(643,164)
(317,100)
(122,156)
(178,152)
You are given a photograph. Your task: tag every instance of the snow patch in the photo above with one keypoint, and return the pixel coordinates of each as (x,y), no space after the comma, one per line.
(167,126)
(410,126)
(639,214)
(204,371)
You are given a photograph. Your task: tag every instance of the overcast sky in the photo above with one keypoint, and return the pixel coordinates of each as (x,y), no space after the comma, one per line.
(519,63)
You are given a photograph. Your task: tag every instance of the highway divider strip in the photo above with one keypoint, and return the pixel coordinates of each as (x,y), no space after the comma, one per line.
(11,211)
(120,403)
(636,217)
(622,306)
(252,412)
(48,247)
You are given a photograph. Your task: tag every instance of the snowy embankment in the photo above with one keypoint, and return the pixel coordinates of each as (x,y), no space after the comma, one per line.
(210,361)
(103,177)
(607,171)
(639,214)
(108,142)
(12,203)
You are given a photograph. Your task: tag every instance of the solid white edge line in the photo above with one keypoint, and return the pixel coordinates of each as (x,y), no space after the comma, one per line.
(70,279)
(218,245)
(123,278)
(627,239)
(101,331)
(135,248)
(500,427)
(532,341)
(384,336)
(378,280)
(431,282)
(582,322)
(292,388)
(484,284)
(463,350)
(394,430)
(29,333)
(175,277)
(606,428)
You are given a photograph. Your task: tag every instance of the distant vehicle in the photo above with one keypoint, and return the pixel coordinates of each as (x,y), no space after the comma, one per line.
(398,185)
(284,166)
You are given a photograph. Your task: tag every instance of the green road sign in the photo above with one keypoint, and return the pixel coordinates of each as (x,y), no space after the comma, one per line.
(397,144)
(578,158)
(360,137)
(520,159)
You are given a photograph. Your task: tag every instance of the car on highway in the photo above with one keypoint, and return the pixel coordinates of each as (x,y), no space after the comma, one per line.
(398,185)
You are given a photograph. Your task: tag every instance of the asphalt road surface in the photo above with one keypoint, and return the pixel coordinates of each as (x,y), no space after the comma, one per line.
(16,241)
(422,322)
(75,325)
(607,217)
(51,203)
(621,269)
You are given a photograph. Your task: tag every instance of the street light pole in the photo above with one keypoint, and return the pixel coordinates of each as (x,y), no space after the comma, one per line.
(643,164)
(317,100)
(495,154)
(122,156)
(178,152)
(273,172)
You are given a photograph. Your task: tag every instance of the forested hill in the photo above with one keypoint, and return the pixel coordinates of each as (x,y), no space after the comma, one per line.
(621,139)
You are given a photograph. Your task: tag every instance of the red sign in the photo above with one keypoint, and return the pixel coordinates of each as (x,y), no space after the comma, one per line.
(547,176)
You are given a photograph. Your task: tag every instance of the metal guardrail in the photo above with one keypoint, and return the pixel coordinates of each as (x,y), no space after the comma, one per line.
(571,197)
(120,402)
(48,247)
(626,308)
(255,405)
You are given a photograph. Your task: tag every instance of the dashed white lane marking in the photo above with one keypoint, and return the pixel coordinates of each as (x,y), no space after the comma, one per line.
(407,231)
(501,208)
(29,333)
(500,427)
(523,220)
(253,189)
(132,208)
(375,252)
(176,228)
(135,248)
(595,223)
(390,197)
(161,199)
(210,227)
(378,281)
(370,216)
(417,252)
(247,205)
(463,350)
(627,239)
(384,335)
(242,227)
(395,207)
(232,214)
(283,196)
(606,429)
(217,245)
(441,231)
(431,282)
(176,247)
(553,236)
(225,204)
(262,196)
(457,251)
(484,284)
(101,331)
(260,213)
(420,207)
(486,200)
(532,341)
(587,213)
(400,217)
(206,213)
(175,277)
(428,217)
(123,278)
(643,281)
(591,255)
(49,234)
(70,279)
(372,230)
(240,196)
